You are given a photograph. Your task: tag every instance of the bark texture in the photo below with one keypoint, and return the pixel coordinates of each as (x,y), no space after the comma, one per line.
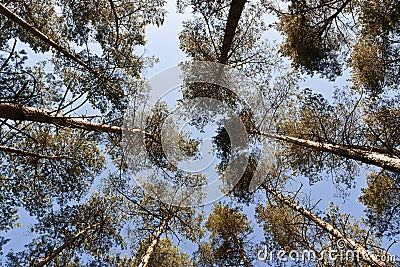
(154,242)
(234,15)
(365,154)
(242,252)
(23,113)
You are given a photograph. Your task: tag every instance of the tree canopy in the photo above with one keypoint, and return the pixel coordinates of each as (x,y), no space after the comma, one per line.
(98,172)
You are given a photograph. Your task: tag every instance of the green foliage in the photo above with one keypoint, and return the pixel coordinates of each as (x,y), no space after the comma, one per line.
(283,225)
(326,37)
(317,120)
(287,230)
(17,81)
(104,69)
(312,37)
(38,183)
(381,197)
(382,118)
(375,58)
(202,37)
(313,53)
(229,232)
(58,228)
(148,213)
(102,34)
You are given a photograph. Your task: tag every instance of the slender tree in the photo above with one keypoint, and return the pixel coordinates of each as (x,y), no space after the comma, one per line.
(365,154)
(366,255)
(93,228)
(145,259)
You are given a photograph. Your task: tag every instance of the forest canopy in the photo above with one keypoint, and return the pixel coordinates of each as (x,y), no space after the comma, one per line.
(102,165)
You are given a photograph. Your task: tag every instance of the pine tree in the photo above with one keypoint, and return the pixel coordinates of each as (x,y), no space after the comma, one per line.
(229,238)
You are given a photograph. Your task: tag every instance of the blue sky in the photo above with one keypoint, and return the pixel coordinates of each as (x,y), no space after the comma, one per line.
(163,42)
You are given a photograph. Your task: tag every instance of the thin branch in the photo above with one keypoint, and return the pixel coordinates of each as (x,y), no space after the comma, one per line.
(31,154)
(116,22)
(9,56)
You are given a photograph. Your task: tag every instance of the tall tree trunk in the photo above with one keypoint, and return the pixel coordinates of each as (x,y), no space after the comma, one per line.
(19,112)
(365,154)
(232,22)
(150,249)
(47,40)
(66,245)
(235,11)
(367,256)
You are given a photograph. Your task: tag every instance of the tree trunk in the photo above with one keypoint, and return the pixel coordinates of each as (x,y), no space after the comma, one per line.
(35,32)
(366,155)
(19,112)
(150,249)
(235,12)
(367,256)
(65,245)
